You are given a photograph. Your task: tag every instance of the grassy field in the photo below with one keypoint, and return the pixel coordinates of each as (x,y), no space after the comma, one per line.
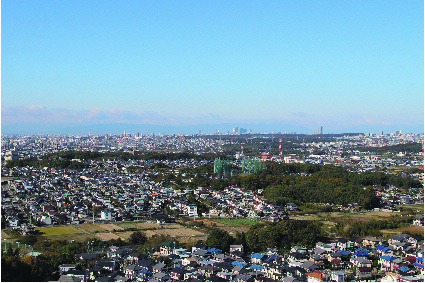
(409,229)
(110,227)
(233,230)
(127,225)
(78,237)
(4,235)
(57,230)
(415,207)
(237,222)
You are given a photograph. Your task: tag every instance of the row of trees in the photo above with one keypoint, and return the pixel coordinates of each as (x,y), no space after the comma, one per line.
(320,184)
(282,235)
(63,159)
(413,147)
(348,229)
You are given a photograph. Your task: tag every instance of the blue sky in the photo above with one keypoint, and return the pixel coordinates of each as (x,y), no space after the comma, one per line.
(340,64)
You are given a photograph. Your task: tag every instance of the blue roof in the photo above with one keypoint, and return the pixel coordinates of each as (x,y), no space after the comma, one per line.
(258,256)
(420,265)
(238,263)
(382,248)
(362,250)
(272,258)
(214,251)
(145,271)
(257,267)
(389,258)
(344,252)
(420,258)
(404,268)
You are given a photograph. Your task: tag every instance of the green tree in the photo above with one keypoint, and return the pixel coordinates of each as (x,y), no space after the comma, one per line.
(220,239)
(138,238)
(29,240)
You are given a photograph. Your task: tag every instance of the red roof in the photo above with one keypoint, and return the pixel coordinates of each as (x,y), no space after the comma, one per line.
(411,259)
(318,274)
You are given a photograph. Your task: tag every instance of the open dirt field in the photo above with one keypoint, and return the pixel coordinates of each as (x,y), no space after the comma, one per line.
(382,213)
(110,227)
(107,236)
(125,235)
(178,232)
(412,228)
(148,225)
(150,233)
(91,228)
(172,226)
(209,222)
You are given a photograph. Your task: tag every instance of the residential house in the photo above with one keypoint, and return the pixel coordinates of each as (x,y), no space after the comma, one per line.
(318,276)
(167,248)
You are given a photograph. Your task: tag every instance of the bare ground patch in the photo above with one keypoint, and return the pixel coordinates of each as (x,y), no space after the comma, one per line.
(125,235)
(91,228)
(148,225)
(172,232)
(382,213)
(209,222)
(178,232)
(107,236)
(172,226)
(412,229)
(150,233)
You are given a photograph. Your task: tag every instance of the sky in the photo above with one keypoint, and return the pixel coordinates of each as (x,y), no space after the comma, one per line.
(341,64)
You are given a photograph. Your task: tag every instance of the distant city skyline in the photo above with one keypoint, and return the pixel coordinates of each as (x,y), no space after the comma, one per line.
(288,66)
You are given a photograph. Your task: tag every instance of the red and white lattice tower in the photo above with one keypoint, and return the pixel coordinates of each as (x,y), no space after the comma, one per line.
(280,147)
(242,149)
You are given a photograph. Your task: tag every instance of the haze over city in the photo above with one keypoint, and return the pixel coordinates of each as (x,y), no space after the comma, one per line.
(189,66)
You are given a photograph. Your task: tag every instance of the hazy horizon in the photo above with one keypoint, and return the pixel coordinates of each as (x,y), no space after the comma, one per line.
(288,65)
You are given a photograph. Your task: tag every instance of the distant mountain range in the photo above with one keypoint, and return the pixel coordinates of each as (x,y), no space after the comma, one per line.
(118,128)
